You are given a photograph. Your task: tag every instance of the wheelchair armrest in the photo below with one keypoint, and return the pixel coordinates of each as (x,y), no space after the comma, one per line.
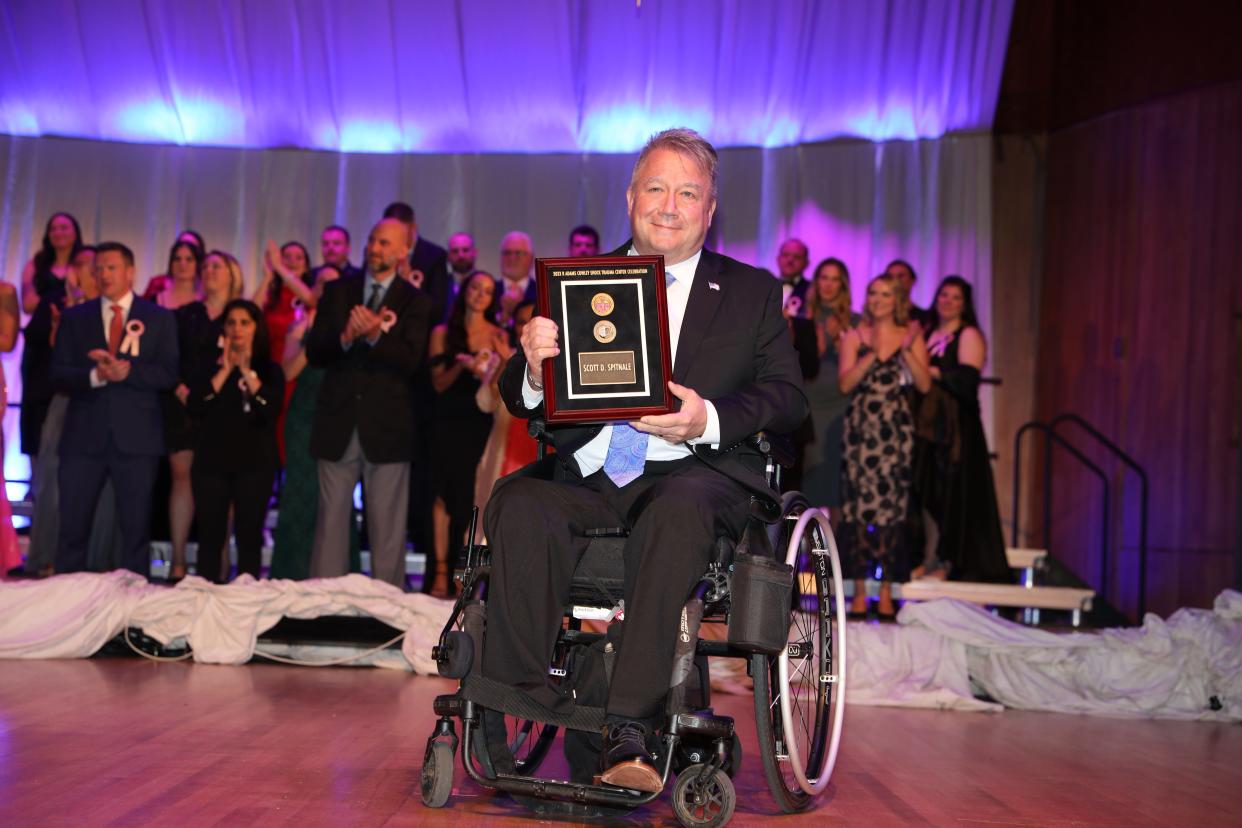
(777,446)
(537,429)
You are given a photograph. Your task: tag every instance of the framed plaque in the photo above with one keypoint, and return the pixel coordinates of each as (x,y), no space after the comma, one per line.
(615,362)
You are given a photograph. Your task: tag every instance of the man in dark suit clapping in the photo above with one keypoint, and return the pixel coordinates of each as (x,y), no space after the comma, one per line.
(113,356)
(370,334)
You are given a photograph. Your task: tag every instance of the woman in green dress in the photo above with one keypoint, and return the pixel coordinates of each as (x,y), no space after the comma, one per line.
(299,496)
(828,306)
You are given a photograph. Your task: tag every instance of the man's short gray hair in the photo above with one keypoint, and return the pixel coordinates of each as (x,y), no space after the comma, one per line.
(684,141)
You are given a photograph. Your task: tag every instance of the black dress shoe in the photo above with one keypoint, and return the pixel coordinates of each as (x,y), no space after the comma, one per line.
(628,762)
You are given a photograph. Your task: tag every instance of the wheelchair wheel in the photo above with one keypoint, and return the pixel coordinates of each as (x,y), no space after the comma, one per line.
(703,799)
(799,695)
(529,742)
(436,784)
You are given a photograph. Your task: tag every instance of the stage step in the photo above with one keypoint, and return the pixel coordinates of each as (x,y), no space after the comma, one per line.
(1026,558)
(1070,599)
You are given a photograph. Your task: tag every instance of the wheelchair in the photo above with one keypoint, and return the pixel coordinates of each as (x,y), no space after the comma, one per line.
(799,678)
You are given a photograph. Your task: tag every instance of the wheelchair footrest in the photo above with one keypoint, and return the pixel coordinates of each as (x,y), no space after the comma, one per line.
(702,723)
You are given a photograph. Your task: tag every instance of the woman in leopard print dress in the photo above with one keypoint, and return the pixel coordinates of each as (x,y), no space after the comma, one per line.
(877,359)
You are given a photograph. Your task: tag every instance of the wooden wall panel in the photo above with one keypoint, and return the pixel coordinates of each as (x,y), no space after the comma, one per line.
(1018,175)
(1140,289)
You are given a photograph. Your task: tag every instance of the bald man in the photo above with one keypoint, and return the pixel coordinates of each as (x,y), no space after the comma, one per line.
(370,336)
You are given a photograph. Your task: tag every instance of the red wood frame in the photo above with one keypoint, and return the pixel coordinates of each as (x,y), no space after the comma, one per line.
(552,414)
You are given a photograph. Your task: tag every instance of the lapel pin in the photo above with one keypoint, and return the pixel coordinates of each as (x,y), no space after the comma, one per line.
(713,286)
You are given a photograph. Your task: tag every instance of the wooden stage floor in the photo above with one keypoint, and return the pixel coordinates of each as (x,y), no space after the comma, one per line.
(127,742)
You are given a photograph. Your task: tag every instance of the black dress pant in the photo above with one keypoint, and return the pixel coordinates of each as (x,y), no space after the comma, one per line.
(80,480)
(248,493)
(674,512)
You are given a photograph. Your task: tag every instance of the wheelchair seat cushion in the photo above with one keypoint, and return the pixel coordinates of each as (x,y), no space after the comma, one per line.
(599,579)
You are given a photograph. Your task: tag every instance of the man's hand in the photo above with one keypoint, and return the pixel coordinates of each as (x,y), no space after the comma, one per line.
(369,321)
(539,342)
(680,426)
(362,323)
(113,370)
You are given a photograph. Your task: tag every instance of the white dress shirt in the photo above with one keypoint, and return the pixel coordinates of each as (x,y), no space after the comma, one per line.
(516,287)
(105,305)
(591,456)
(787,289)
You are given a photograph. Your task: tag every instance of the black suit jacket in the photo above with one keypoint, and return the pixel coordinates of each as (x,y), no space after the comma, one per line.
(734,350)
(129,410)
(432,260)
(368,388)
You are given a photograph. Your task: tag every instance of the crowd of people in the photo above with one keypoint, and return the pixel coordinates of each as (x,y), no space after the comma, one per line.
(894,445)
(210,405)
(193,407)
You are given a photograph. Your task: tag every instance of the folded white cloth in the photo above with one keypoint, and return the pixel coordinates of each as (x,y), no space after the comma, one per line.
(72,616)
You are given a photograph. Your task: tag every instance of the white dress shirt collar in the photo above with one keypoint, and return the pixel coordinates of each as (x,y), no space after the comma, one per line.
(682,271)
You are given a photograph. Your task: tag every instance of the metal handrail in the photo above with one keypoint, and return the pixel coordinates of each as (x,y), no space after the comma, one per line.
(1134,465)
(1053,437)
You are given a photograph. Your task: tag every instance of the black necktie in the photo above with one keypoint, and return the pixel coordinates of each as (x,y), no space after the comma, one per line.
(377,294)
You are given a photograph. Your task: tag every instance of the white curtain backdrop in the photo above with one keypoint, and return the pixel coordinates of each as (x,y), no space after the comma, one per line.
(853,124)
(442,76)
(925,201)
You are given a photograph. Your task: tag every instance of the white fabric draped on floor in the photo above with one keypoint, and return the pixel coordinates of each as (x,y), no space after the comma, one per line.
(1188,666)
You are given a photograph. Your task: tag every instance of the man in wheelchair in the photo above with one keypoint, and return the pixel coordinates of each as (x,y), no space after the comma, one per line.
(675,482)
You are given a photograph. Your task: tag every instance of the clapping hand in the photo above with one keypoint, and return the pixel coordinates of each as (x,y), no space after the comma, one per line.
(912,334)
(108,367)
(362,323)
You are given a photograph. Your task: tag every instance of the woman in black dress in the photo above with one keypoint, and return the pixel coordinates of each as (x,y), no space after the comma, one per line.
(200,326)
(236,407)
(955,471)
(43,298)
(460,352)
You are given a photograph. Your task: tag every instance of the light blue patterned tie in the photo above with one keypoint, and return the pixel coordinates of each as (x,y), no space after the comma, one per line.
(627,447)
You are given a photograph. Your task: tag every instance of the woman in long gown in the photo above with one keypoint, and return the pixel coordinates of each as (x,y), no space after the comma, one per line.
(460,351)
(299,495)
(956,472)
(200,325)
(10,552)
(43,298)
(509,446)
(828,306)
(876,359)
(286,279)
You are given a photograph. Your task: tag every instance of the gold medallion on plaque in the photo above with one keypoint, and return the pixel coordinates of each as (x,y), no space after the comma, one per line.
(605,331)
(602,304)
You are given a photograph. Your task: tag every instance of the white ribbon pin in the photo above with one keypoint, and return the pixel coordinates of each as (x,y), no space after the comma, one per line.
(133,332)
(388,318)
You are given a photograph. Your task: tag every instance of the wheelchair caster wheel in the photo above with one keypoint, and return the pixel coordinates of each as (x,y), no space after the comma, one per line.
(437,778)
(703,800)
